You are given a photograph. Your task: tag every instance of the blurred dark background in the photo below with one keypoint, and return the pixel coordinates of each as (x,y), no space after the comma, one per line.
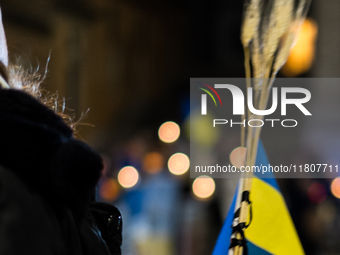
(130,62)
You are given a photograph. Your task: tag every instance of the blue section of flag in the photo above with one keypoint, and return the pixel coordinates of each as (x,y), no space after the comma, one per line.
(262,159)
(223,241)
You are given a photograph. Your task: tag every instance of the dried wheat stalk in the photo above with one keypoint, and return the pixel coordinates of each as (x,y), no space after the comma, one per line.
(280,18)
(267,49)
(251,22)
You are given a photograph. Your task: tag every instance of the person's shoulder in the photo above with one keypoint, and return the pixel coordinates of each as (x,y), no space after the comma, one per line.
(28,225)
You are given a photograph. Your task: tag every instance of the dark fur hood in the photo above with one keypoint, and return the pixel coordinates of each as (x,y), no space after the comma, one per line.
(40,148)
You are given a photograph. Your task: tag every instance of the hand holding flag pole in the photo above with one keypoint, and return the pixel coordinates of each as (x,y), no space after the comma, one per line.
(268,33)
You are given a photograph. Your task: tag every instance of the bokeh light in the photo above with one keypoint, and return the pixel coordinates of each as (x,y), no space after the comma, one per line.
(109,189)
(178,163)
(153,162)
(128,177)
(302,54)
(335,187)
(169,132)
(202,131)
(203,187)
(317,193)
(238,156)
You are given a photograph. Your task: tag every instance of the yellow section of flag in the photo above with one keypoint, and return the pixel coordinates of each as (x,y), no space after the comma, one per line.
(272,228)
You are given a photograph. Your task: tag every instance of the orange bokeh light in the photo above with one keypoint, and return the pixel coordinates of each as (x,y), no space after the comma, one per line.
(238,156)
(128,177)
(178,163)
(169,132)
(153,162)
(203,187)
(109,190)
(335,187)
(302,54)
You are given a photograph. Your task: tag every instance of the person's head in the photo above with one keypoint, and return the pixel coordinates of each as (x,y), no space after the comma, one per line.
(37,143)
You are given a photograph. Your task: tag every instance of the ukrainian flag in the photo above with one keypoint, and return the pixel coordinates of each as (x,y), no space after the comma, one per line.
(272,230)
